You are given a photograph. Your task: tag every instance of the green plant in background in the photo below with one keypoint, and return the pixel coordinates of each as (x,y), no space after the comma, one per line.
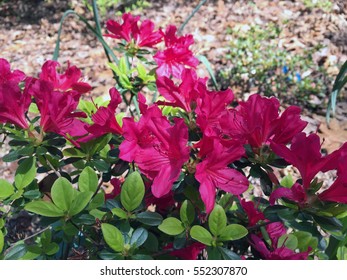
(126,5)
(258,65)
(325,5)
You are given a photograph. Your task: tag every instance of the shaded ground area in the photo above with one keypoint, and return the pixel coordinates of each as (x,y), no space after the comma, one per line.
(28,31)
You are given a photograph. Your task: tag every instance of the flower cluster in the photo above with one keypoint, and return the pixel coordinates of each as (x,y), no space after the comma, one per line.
(195,149)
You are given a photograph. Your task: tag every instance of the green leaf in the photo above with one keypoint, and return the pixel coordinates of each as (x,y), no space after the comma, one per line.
(217,220)
(305,240)
(105,255)
(171,226)
(141,257)
(207,64)
(51,249)
(232,232)
(120,213)
(213,253)
(62,193)
(2,241)
(80,202)
(149,218)
(187,213)
(139,237)
(341,253)
(33,194)
(97,201)
(44,208)
(113,237)
(133,191)
(6,189)
(288,240)
(227,254)
(16,252)
(202,235)
(287,181)
(25,173)
(88,180)
(73,152)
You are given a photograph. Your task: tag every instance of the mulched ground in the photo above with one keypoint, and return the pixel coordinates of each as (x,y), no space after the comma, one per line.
(28,31)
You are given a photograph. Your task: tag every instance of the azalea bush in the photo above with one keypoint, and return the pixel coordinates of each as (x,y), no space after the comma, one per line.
(192,174)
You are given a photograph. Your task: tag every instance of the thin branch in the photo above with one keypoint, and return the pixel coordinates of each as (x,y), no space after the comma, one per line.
(202,2)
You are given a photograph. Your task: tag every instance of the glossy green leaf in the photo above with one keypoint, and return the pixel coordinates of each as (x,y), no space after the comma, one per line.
(113,237)
(25,173)
(97,201)
(171,226)
(305,240)
(187,213)
(149,218)
(16,252)
(80,202)
(120,213)
(201,234)
(133,191)
(287,181)
(232,232)
(6,189)
(44,208)
(88,180)
(217,220)
(288,240)
(62,193)
(139,237)
(227,254)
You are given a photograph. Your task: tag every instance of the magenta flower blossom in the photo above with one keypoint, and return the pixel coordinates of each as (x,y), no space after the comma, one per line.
(183,96)
(104,119)
(58,109)
(296,193)
(177,55)
(213,171)
(70,80)
(304,153)
(253,214)
(257,120)
(13,104)
(157,147)
(143,35)
(191,252)
(7,75)
(337,192)
(281,253)
(211,107)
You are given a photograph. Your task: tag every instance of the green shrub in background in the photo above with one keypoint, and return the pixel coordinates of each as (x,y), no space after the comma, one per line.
(257,64)
(122,5)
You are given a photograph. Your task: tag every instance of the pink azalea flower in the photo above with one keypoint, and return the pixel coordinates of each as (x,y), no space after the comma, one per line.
(304,153)
(281,253)
(70,80)
(296,193)
(58,109)
(213,171)
(7,75)
(143,36)
(174,59)
(337,192)
(104,119)
(211,106)
(183,96)
(157,147)
(191,252)
(257,120)
(13,104)
(253,214)
(275,231)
